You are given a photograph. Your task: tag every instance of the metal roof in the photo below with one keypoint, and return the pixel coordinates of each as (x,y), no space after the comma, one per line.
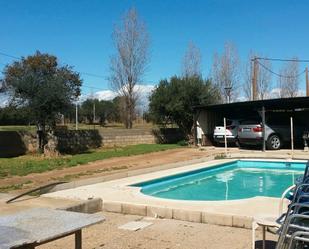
(269,104)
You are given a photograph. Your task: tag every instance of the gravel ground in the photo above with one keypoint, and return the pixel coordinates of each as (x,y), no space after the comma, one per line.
(162,234)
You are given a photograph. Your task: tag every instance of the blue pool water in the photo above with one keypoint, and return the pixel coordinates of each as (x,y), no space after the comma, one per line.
(229,181)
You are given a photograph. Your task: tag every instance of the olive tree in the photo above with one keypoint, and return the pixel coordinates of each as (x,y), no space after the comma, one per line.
(39,83)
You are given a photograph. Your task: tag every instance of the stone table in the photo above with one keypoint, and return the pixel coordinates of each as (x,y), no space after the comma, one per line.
(37,226)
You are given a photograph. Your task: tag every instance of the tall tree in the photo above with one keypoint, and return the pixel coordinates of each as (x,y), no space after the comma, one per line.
(128,65)
(45,88)
(288,83)
(247,78)
(105,110)
(264,80)
(225,72)
(191,64)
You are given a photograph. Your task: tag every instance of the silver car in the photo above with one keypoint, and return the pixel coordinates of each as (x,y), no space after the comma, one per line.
(277,133)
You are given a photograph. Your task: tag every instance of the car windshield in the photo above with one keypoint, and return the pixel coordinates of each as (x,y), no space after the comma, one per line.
(228,122)
(250,122)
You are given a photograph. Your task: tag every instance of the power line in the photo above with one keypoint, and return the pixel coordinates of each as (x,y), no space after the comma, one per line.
(93,75)
(93,87)
(85,73)
(280,75)
(277,59)
(9,55)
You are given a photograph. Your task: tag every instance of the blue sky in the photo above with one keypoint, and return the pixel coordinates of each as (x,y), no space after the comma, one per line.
(79,32)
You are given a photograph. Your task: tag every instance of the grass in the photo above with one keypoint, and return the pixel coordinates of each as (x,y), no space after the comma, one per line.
(24,165)
(17,128)
(7,188)
(220,156)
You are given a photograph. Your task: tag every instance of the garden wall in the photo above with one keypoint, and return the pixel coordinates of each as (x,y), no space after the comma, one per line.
(71,141)
(14,143)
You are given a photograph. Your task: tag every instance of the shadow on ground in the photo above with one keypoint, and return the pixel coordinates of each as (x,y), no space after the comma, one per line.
(269,244)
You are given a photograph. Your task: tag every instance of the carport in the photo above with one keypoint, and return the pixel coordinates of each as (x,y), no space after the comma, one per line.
(209,116)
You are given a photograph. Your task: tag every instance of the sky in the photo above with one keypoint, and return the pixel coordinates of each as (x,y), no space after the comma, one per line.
(79,32)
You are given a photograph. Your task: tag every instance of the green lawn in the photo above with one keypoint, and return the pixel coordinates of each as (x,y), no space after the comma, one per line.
(17,128)
(28,164)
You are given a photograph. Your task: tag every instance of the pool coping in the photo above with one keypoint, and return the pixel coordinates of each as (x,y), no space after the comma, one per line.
(118,196)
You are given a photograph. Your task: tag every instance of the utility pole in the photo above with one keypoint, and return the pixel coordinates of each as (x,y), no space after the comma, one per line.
(254,78)
(93,111)
(76,116)
(307,82)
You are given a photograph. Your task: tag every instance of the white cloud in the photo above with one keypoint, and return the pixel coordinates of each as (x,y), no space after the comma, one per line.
(275,93)
(105,95)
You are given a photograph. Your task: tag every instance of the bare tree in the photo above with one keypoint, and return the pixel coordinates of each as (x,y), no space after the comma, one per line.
(128,65)
(288,83)
(226,72)
(264,80)
(191,64)
(247,78)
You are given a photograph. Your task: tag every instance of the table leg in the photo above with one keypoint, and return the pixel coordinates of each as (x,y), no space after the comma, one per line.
(264,236)
(78,239)
(254,227)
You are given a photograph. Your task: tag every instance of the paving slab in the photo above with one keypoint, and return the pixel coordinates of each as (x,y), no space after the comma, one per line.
(135,225)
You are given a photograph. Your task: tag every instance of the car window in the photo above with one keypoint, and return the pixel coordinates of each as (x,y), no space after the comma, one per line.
(228,122)
(250,122)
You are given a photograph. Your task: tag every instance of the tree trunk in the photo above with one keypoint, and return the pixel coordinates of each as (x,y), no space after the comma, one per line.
(41,137)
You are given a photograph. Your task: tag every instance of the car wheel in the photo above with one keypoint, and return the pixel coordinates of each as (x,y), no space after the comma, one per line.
(274,142)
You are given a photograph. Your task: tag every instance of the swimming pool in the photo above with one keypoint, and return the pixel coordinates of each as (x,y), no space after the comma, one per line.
(234,180)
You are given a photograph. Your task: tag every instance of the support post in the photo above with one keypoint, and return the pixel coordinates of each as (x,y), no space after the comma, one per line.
(76,116)
(93,111)
(292,136)
(225,141)
(307,82)
(263,129)
(195,128)
(78,239)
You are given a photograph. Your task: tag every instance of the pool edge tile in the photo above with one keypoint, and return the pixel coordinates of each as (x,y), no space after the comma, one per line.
(187,215)
(217,219)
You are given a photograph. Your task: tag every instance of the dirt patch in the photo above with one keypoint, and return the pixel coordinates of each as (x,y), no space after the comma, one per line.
(107,167)
(162,234)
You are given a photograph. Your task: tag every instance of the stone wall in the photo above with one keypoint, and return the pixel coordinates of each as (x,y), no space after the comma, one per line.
(14,143)
(71,141)
(123,137)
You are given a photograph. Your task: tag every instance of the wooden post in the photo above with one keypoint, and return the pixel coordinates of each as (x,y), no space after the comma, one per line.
(263,127)
(78,239)
(254,78)
(292,136)
(76,116)
(225,141)
(307,82)
(195,128)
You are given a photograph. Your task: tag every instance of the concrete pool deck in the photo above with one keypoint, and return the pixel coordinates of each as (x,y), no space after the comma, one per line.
(119,197)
